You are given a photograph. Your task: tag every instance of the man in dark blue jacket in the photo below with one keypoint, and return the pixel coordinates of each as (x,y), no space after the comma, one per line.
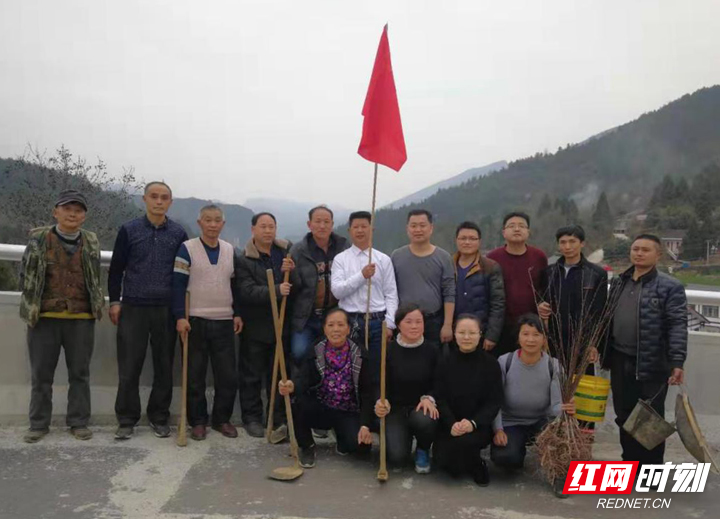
(141,276)
(648,340)
(479,285)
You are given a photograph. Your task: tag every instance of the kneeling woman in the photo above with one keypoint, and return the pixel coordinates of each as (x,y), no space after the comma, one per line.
(469,396)
(409,406)
(330,389)
(532,394)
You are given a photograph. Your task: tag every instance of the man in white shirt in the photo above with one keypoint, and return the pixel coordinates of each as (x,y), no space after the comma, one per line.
(348,282)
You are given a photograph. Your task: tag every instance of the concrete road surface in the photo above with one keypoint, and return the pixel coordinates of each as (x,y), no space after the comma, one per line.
(219,478)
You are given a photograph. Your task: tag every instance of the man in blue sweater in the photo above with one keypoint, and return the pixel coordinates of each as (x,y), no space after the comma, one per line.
(140,288)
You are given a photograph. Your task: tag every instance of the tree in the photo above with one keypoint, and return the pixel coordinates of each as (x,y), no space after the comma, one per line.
(602,217)
(33,181)
(545,205)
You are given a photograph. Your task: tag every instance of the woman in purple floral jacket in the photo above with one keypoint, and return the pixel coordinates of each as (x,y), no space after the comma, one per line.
(331,390)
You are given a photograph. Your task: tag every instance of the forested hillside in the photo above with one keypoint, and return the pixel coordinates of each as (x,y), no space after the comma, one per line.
(679,140)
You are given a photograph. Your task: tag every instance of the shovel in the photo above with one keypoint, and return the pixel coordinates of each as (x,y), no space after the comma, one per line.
(271,435)
(294,472)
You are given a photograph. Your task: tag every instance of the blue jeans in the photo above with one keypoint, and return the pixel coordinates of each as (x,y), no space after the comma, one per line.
(301,342)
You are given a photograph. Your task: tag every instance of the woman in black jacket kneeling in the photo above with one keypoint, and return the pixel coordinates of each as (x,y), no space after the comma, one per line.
(410,406)
(331,389)
(469,394)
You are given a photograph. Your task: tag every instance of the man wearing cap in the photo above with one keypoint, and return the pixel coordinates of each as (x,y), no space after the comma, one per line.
(61,299)
(140,284)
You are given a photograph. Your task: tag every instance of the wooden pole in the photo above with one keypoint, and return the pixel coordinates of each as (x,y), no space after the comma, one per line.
(382,474)
(369,281)
(182,426)
(276,365)
(283,370)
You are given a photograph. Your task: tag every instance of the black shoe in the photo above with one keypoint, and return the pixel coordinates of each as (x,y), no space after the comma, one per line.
(481,475)
(255,429)
(558,486)
(124,432)
(160,430)
(35,435)
(307,457)
(339,451)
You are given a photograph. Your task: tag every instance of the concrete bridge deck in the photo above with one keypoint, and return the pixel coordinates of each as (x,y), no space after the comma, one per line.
(151,478)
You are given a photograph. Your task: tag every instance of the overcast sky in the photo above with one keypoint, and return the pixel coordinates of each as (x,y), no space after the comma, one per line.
(237,99)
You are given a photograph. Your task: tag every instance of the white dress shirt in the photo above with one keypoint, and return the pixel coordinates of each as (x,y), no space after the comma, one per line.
(350,287)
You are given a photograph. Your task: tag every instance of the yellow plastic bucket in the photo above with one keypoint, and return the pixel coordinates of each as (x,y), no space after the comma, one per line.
(591,398)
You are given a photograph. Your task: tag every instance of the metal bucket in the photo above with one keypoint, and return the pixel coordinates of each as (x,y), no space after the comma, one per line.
(647,426)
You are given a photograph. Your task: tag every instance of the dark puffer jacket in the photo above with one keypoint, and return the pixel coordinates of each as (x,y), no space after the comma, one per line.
(304,278)
(485,293)
(662,324)
(254,293)
(578,299)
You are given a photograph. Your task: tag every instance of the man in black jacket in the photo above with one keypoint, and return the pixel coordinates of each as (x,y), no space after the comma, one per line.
(257,345)
(311,295)
(479,286)
(575,297)
(648,340)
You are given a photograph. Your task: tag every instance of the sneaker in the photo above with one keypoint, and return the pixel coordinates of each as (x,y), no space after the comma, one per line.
(35,435)
(160,430)
(255,429)
(81,433)
(339,451)
(481,475)
(307,457)
(558,485)
(124,432)
(198,432)
(320,433)
(422,461)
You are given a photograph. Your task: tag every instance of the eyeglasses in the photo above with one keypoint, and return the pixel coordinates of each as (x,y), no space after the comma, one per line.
(468,238)
(516,226)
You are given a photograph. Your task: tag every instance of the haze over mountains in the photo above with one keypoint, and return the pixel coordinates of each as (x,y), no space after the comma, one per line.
(679,139)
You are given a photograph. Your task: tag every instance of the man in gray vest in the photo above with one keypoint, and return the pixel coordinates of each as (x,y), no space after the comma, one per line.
(205,267)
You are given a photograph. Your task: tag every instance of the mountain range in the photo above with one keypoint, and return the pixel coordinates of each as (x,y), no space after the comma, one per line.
(627,162)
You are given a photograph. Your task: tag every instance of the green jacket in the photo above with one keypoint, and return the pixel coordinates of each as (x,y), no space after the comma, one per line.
(32,274)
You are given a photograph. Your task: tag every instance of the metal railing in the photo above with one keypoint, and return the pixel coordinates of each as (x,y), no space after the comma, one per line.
(10,252)
(698,297)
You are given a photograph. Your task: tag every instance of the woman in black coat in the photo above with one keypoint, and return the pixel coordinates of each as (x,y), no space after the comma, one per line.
(469,394)
(409,407)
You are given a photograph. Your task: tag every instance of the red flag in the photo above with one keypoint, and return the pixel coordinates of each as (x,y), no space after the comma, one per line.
(382,137)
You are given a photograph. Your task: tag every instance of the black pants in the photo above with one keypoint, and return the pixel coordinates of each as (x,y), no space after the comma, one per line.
(255,364)
(214,341)
(508,340)
(626,392)
(461,454)
(137,325)
(44,341)
(518,437)
(402,424)
(433,325)
(309,413)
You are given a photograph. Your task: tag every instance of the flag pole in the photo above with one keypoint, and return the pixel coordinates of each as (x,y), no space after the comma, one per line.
(369,281)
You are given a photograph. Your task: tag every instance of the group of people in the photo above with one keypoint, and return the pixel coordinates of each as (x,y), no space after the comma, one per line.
(472,337)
